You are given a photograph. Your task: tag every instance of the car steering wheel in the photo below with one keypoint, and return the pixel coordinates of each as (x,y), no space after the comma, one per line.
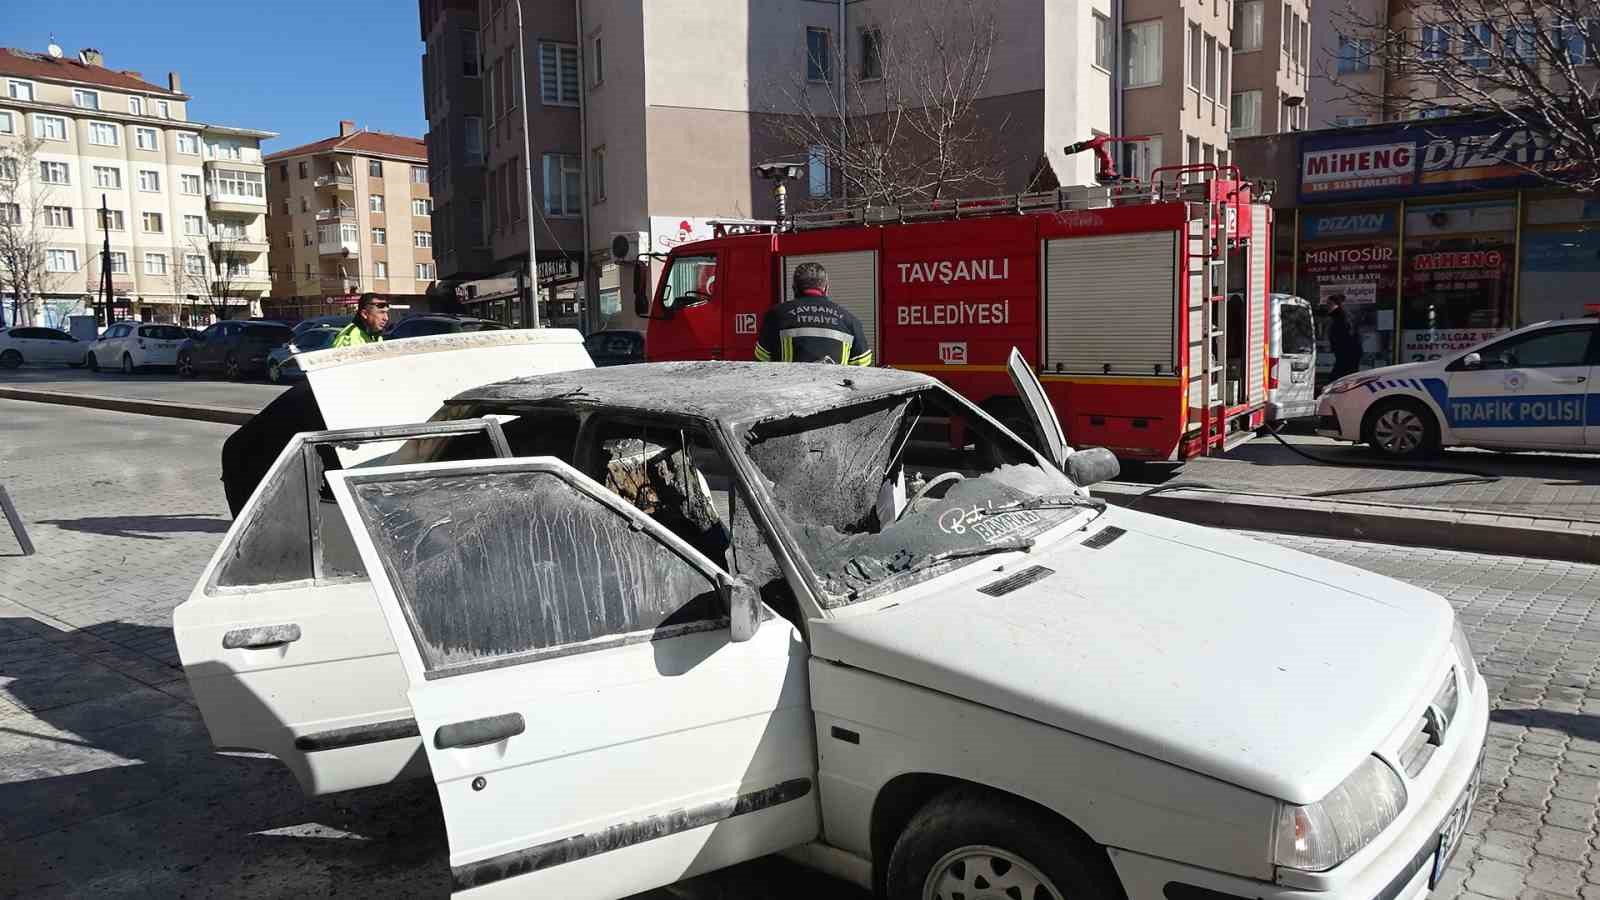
(937,480)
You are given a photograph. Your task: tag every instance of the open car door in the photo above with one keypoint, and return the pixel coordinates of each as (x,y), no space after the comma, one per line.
(283,643)
(592,725)
(1046,426)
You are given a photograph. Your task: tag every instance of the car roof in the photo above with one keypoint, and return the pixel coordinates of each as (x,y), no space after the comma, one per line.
(713,390)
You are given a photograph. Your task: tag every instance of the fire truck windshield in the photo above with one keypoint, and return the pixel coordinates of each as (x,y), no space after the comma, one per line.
(691,280)
(876,497)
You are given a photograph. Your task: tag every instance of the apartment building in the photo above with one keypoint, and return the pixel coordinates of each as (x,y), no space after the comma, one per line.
(648,118)
(349,214)
(453,101)
(184,200)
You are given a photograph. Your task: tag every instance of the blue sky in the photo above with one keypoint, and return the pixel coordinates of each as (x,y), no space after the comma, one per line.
(295,67)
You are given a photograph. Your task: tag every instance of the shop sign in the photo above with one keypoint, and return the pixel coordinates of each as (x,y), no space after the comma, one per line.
(1425,157)
(1419,345)
(1340,225)
(667,232)
(1343,169)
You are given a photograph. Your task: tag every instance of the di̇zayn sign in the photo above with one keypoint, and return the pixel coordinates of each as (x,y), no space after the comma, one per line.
(1425,157)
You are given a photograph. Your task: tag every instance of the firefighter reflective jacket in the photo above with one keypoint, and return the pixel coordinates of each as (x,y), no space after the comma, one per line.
(813,328)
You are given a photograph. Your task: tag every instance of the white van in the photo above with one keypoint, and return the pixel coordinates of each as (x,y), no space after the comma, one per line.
(1292,360)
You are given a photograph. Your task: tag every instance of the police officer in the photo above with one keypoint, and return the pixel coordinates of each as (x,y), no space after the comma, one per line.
(372,316)
(811,327)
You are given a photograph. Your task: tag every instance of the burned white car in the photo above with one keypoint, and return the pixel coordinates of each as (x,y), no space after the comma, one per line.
(643,622)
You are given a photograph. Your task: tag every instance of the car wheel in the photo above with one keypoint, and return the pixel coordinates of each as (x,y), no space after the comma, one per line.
(92,363)
(1401,429)
(127,364)
(971,842)
(10,359)
(273,375)
(185,365)
(230,367)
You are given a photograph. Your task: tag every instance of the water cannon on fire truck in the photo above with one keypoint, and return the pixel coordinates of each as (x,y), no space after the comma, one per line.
(1106,165)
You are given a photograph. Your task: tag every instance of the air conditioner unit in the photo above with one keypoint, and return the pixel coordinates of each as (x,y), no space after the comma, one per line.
(627,245)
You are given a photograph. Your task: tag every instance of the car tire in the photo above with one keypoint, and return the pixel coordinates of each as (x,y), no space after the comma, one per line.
(185,366)
(975,842)
(128,368)
(230,368)
(92,363)
(10,359)
(273,375)
(1401,428)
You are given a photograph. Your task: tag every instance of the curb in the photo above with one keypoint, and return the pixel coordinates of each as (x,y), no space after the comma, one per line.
(1445,529)
(223,414)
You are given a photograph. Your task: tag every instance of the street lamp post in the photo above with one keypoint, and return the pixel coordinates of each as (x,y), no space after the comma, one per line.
(527,171)
(780,172)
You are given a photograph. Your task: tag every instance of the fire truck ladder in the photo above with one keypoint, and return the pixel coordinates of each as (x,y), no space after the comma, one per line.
(1208,323)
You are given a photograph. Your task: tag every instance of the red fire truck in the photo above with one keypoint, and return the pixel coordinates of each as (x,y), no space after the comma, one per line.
(1142,305)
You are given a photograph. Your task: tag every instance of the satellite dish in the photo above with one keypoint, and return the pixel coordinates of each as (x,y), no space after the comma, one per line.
(54,50)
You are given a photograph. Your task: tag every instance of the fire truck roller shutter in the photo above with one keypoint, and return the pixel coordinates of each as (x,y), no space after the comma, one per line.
(1111,300)
(852,283)
(1255,364)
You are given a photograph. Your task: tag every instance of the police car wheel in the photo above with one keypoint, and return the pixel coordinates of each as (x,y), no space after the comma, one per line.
(1402,429)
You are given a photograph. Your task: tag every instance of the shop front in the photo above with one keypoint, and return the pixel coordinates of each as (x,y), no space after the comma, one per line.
(1434,235)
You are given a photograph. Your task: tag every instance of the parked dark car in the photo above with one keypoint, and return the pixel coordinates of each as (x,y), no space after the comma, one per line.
(615,348)
(322,322)
(236,349)
(281,364)
(440,323)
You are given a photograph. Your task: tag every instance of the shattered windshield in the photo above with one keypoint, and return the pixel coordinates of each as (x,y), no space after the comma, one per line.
(885,494)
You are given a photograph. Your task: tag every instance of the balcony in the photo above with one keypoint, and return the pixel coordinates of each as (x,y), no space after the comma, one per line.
(242,281)
(349,249)
(219,202)
(337,214)
(336,182)
(248,246)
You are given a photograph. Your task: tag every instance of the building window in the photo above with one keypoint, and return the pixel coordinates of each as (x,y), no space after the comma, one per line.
(1191,151)
(10,214)
(8,124)
(50,128)
(55,173)
(1434,42)
(149,181)
(191,184)
(475,222)
(349,233)
(819,55)
(422,206)
(1224,70)
(305,205)
(1355,55)
(20,90)
(302,170)
(380,237)
(424,271)
(422,240)
(1244,114)
(8,168)
(1196,69)
(163,109)
(86,99)
(145,139)
(189,143)
(597,175)
(1288,35)
(1477,43)
(375,168)
(60,260)
(380,269)
(194,264)
(1348,121)
(558,75)
(1103,42)
(817,180)
(1142,158)
(1248,21)
(155,264)
(105,134)
(473,139)
(375,203)
(872,53)
(597,59)
(1142,51)
(305,237)
(110,220)
(119,262)
(419,174)
(1211,66)
(58,216)
(152,223)
(470,65)
(241,184)
(108,177)
(194,225)
(563,187)
(136,105)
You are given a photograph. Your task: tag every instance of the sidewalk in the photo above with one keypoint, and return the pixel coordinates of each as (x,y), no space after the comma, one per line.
(163,394)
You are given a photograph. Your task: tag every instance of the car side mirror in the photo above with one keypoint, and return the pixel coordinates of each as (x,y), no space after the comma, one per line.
(744,607)
(1092,466)
(1472,361)
(641,296)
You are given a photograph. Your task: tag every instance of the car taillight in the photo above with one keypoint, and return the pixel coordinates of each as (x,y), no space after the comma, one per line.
(1272,373)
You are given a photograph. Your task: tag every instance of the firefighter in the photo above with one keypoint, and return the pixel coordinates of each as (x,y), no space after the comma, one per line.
(811,327)
(372,315)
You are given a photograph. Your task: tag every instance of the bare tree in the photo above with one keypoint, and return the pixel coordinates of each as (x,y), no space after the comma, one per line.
(215,281)
(24,229)
(1532,64)
(902,124)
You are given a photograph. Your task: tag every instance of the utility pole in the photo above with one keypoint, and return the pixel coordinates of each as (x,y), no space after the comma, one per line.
(105,260)
(527,171)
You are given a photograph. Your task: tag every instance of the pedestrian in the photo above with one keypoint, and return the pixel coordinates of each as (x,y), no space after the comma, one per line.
(372,316)
(812,327)
(1342,339)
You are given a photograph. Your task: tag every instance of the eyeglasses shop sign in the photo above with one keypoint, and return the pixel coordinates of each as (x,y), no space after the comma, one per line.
(1419,158)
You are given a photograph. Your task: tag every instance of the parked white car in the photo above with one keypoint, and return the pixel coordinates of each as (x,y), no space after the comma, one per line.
(1535,388)
(710,611)
(1291,360)
(37,346)
(135,346)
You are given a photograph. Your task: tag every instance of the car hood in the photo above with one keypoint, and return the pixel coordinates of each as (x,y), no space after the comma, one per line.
(1260,666)
(1404,370)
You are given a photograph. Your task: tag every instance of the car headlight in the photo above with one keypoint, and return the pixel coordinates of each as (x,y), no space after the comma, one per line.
(1319,836)
(1350,383)
(1469,666)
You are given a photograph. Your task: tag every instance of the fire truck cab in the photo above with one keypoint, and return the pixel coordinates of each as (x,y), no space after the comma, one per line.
(1142,305)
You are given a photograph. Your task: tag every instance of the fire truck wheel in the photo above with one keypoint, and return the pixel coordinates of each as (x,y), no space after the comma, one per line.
(1401,428)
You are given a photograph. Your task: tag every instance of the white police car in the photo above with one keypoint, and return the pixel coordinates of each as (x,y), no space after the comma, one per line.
(1532,388)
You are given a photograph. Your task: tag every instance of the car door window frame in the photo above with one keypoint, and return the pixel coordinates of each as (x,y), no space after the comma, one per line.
(1490,352)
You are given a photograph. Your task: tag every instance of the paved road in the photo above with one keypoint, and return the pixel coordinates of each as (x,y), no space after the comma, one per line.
(145,386)
(109,787)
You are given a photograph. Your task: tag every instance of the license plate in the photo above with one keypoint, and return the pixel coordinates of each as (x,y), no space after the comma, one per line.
(1453,826)
(1297,378)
